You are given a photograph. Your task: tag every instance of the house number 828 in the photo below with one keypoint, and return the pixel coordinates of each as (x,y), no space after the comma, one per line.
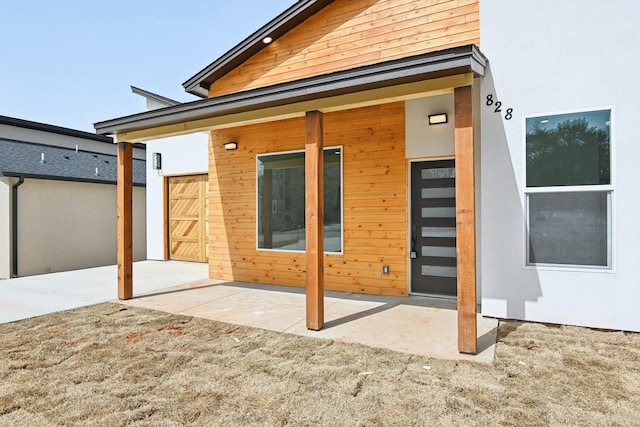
(508,113)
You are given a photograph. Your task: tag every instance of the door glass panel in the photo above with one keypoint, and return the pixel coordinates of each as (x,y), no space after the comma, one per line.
(438,173)
(438,232)
(438,251)
(438,212)
(428,193)
(433,270)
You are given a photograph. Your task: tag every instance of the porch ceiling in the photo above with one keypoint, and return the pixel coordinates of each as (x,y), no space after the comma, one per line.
(406,78)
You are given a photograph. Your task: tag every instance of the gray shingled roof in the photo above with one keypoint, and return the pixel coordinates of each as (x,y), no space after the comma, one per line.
(25,159)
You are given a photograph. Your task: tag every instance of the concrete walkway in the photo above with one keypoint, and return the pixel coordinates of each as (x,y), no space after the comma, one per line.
(416,325)
(32,296)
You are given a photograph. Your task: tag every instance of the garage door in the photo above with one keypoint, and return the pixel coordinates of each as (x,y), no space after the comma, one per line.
(188,218)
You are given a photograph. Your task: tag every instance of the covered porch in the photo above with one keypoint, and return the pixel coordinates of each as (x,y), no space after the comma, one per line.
(452,71)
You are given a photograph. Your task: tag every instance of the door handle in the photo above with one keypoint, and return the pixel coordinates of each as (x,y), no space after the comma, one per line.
(413,254)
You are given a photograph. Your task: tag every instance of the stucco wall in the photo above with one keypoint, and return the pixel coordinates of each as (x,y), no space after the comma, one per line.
(181,155)
(424,140)
(71,225)
(545,57)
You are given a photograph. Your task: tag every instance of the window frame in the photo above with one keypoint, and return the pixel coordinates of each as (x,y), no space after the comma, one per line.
(299,251)
(609,189)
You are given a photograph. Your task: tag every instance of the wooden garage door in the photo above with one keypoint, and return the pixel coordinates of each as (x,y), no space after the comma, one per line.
(188,218)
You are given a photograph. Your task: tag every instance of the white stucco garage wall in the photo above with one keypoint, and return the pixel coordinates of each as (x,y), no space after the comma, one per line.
(181,155)
(64,225)
(547,56)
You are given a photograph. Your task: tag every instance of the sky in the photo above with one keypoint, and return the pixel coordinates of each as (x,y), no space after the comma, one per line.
(71,63)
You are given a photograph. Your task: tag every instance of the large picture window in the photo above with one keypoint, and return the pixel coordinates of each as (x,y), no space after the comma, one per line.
(281,201)
(569,189)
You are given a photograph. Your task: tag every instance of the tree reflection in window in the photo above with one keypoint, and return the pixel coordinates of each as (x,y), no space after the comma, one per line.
(569,149)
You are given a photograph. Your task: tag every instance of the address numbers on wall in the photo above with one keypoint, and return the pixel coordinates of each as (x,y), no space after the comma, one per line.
(497,107)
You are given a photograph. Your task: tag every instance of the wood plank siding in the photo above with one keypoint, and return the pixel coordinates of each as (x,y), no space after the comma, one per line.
(354,33)
(375,203)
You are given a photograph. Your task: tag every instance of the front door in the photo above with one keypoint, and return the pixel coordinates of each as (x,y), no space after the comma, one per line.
(433,228)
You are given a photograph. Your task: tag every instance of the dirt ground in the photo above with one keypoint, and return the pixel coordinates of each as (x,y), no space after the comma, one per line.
(113,365)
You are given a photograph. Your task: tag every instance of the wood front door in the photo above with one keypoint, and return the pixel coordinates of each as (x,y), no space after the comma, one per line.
(433,228)
(188,218)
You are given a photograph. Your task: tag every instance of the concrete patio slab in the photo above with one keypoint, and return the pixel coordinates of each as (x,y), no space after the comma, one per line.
(416,325)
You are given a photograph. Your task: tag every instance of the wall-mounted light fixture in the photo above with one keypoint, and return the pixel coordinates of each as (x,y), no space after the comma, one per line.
(157,161)
(437,119)
(231,146)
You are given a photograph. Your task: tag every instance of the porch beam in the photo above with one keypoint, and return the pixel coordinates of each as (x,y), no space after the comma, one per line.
(314,220)
(125,221)
(223,120)
(465,221)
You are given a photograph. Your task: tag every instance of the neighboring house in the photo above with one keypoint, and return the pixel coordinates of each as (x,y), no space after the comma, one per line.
(63,182)
(483,150)
(176,192)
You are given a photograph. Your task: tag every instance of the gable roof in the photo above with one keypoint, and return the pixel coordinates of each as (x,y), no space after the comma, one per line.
(26,159)
(199,84)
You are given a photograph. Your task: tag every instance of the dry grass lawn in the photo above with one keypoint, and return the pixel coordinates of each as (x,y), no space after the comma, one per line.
(113,365)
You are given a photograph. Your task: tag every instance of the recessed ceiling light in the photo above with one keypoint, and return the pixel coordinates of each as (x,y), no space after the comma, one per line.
(267,40)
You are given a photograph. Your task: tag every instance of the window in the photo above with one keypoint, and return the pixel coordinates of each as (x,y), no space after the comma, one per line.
(281,201)
(569,189)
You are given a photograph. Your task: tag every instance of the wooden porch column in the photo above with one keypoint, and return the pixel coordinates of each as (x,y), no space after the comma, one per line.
(314,219)
(125,220)
(465,221)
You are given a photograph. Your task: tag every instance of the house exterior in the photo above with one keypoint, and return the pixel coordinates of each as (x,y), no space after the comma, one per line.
(466,149)
(58,199)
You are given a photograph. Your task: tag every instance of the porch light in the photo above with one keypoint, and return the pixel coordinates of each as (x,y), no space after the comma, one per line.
(157,161)
(231,146)
(437,119)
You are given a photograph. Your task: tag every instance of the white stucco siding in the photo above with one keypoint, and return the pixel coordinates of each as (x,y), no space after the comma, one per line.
(66,225)
(181,155)
(547,57)
(424,140)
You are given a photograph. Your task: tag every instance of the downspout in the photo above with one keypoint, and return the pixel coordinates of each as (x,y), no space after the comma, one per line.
(14,226)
